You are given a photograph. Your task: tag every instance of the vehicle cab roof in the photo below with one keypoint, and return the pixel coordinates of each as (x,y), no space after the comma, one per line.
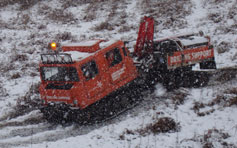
(84,49)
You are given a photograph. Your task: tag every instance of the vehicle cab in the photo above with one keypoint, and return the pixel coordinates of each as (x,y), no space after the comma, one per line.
(85,72)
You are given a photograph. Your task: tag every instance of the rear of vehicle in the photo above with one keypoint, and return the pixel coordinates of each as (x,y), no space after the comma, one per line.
(187,50)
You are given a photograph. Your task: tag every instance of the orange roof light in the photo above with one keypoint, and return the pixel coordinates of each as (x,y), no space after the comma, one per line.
(53,46)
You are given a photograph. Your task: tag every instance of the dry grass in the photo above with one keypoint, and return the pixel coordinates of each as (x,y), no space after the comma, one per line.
(215,135)
(162,125)
(232,12)
(24,4)
(104,26)
(231,91)
(16,76)
(232,101)
(63,36)
(226,75)
(25,104)
(91,10)
(227,99)
(197,106)
(178,98)
(3,92)
(60,15)
(170,13)
(223,47)
(29,102)
(216,17)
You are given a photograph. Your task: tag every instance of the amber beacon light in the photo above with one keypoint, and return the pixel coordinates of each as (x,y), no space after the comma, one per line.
(53,46)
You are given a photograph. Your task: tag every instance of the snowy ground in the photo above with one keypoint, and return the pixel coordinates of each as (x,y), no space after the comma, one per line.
(206,116)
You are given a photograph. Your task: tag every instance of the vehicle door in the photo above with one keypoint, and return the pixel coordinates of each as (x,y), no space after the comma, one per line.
(93,83)
(116,65)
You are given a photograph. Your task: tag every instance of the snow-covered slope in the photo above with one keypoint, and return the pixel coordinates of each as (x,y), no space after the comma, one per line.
(206,116)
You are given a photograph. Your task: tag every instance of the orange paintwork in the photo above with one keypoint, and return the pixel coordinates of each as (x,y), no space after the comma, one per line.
(86,92)
(84,48)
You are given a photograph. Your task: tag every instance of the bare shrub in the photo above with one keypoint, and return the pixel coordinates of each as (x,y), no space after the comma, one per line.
(24,4)
(4,3)
(232,12)
(90,11)
(234,57)
(3,24)
(205,113)
(215,135)
(179,98)
(104,26)
(20,57)
(170,13)
(5,68)
(231,91)
(64,36)
(42,26)
(61,16)
(72,3)
(215,17)
(124,29)
(27,103)
(232,101)
(44,9)
(162,125)
(227,75)
(16,76)
(3,92)
(223,47)
(218,100)
(212,138)
(197,106)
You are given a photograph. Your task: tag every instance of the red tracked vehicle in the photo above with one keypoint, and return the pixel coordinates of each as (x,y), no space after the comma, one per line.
(85,73)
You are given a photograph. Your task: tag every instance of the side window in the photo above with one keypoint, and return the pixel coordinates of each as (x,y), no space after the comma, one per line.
(113,57)
(89,70)
(168,46)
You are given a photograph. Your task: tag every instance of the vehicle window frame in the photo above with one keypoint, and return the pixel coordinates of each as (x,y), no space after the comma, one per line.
(93,70)
(124,51)
(117,57)
(73,76)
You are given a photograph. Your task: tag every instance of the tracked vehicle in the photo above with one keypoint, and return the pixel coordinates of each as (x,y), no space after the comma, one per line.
(75,81)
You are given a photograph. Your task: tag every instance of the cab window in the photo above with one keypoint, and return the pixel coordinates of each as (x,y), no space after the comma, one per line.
(89,70)
(124,51)
(168,46)
(113,57)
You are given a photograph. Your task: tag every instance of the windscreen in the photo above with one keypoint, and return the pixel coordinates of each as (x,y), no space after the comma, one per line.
(59,74)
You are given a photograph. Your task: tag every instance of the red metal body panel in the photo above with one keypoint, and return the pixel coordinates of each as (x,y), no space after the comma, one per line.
(89,47)
(190,56)
(86,92)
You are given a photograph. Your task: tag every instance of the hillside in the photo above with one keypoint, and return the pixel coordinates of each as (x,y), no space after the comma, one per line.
(205,117)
